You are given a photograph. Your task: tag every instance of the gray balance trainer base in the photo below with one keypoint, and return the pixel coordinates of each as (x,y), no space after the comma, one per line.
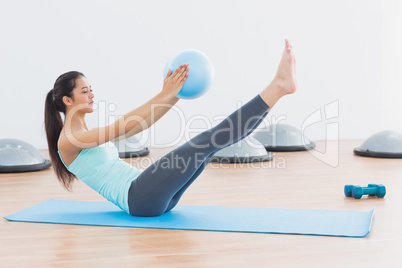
(130,148)
(20,156)
(248,150)
(385,144)
(283,138)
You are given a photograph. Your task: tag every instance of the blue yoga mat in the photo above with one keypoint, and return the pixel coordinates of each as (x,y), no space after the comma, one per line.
(207,218)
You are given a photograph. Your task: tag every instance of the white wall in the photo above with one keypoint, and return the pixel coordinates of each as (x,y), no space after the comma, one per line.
(122,46)
(391,112)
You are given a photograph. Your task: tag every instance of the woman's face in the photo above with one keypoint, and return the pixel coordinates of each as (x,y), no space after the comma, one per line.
(82,96)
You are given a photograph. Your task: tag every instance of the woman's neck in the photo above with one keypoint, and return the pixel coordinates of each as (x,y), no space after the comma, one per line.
(75,121)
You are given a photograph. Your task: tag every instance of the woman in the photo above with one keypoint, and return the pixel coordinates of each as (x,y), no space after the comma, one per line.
(89,154)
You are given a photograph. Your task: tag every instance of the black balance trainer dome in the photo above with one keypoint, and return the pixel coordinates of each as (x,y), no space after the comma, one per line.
(283,138)
(20,156)
(384,144)
(247,150)
(130,148)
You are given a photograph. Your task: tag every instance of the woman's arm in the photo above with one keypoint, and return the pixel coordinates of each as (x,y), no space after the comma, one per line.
(158,112)
(132,121)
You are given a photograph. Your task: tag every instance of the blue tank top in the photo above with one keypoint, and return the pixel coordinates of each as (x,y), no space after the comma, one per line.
(101,169)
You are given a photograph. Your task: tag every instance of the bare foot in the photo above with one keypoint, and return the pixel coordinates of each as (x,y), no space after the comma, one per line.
(285,79)
(285,74)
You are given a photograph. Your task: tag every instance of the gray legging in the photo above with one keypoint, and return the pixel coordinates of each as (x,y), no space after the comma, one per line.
(159,187)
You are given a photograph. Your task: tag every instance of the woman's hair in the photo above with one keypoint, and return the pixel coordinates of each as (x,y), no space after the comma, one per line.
(54,105)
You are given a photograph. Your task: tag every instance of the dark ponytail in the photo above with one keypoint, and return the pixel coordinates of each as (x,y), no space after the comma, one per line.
(63,86)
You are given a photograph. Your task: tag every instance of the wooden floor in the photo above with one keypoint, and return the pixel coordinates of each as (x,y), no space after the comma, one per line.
(292,180)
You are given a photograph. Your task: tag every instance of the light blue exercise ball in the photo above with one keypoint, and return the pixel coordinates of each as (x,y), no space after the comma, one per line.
(200,74)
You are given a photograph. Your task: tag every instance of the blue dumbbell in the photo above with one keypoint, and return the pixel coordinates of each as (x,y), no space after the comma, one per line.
(357,192)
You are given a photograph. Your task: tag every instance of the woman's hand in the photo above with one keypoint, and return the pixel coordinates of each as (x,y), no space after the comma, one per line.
(174,82)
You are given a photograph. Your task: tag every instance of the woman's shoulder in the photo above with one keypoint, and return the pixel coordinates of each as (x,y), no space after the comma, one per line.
(66,141)
(66,148)
(62,134)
